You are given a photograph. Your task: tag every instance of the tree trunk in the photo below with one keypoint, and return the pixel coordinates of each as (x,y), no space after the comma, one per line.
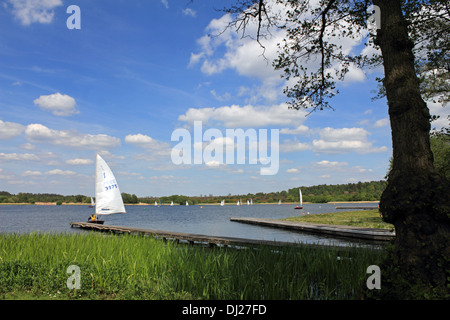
(416,199)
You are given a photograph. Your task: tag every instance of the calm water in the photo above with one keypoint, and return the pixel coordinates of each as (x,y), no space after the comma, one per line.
(208,220)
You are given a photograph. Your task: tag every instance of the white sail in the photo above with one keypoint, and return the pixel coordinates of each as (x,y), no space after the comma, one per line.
(187,203)
(301,199)
(156,203)
(171,203)
(251,202)
(248,202)
(108,199)
(222,203)
(92,202)
(279,201)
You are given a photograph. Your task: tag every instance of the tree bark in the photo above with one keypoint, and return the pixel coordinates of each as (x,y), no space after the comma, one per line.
(417,199)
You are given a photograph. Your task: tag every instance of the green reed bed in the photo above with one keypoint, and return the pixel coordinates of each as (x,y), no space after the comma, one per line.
(137,267)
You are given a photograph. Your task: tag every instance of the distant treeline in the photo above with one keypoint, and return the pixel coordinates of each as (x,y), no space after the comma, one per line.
(361,191)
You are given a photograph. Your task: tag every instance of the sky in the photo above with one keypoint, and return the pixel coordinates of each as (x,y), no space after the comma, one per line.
(119,78)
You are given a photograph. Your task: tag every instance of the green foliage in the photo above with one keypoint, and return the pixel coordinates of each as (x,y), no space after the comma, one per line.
(440,145)
(361,191)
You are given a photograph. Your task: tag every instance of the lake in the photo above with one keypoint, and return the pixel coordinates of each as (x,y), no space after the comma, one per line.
(206,219)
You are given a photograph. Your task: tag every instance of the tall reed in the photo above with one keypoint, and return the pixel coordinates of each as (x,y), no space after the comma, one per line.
(137,267)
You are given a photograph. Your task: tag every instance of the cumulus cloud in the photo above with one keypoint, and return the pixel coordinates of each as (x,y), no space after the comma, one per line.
(235,116)
(31,173)
(18,156)
(332,141)
(189,12)
(61,172)
(381,123)
(69,138)
(301,129)
(34,11)
(330,164)
(294,146)
(10,130)
(156,148)
(79,161)
(58,104)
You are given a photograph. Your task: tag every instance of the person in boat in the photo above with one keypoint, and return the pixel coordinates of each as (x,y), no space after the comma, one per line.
(92,218)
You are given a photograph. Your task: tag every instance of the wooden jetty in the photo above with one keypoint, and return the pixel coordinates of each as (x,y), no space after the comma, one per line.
(189,237)
(361,208)
(327,229)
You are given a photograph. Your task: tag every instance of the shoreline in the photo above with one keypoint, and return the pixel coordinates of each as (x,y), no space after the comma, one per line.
(198,204)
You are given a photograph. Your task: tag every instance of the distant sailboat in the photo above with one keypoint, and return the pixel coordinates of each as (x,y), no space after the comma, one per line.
(222,203)
(156,204)
(248,202)
(187,203)
(92,205)
(171,203)
(251,202)
(301,200)
(108,199)
(238,204)
(279,201)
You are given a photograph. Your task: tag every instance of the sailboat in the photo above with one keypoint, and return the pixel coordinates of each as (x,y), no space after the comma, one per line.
(108,199)
(92,203)
(222,203)
(171,203)
(187,203)
(279,201)
(301,200)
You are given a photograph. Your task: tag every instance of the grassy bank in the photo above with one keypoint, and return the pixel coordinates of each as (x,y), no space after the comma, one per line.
(363,218)
(136,267)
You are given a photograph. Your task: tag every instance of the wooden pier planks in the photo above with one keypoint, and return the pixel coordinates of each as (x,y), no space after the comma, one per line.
(190,237)
(328,229)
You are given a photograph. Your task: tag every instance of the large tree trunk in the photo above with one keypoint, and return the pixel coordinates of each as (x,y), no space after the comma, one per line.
(416,200)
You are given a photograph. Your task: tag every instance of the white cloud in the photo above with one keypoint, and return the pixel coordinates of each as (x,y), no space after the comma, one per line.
(144,141)
(331,134)
(330,164)
(31,173)
(294,146)
(335,147)
(235,116)
(165,3)
(10,130)
(18,156)
(293,170)
(189,12)
(334,141)
(61,172)
(156,149)
(58,104)
(301,129)
(30,11)
(79,161)
(381,123)
(69,138)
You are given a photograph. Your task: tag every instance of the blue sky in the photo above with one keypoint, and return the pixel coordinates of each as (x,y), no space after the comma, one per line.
(138,70)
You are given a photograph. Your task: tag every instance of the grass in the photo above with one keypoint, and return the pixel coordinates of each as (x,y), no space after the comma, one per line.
(363,218)
(34,266)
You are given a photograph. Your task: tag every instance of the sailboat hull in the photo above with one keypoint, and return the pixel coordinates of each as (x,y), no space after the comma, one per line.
(298,207)
(97,221)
